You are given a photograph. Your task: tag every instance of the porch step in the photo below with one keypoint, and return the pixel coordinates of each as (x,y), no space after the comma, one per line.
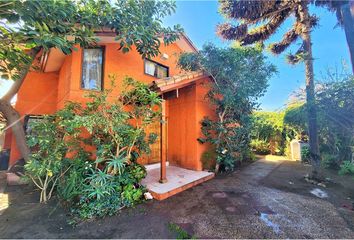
(149,167)
(178,180)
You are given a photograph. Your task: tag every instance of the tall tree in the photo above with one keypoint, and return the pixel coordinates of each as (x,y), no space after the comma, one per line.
(29,28)
(257,21)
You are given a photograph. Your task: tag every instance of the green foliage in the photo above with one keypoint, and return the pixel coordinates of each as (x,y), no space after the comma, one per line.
(268,124)
(270,134)
(180,232)
(208,159)
(234,93)
(296,116)
(45,165)
(98,183)
(105,206)
(335,106)
(36,24)
(305,154)
(329,161)
(336,118)
(346,167)
(260,146)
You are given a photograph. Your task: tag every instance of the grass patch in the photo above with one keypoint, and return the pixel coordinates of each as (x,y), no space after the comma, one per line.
(180,232)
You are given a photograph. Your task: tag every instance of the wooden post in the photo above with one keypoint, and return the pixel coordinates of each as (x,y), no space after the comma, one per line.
(163,143)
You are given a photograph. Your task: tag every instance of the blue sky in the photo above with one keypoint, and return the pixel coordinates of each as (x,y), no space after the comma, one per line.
(199,19)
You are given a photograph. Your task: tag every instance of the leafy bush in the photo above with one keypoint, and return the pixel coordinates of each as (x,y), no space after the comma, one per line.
(209,159)
(49,147)
(234,93)
(260,147)
(96,172)
(105,206)
(270,134)
(305,154)
(346,167)
(335,106)
(330,161)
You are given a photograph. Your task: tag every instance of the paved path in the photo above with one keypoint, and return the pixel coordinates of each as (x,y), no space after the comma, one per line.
(240,207)
(232,206)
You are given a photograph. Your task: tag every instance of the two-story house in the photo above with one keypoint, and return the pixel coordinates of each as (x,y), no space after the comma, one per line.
(175,162)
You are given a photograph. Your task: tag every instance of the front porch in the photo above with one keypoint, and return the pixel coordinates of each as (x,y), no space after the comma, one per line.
(183,107)
(178,180)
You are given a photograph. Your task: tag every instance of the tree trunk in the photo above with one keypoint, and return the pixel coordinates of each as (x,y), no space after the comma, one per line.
(310,96)
(347,12)
(14,121)
(11,115)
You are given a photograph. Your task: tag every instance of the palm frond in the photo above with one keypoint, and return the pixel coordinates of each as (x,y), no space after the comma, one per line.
(299,56)
(264,31)
(289,37)
(230,32)
(249,10)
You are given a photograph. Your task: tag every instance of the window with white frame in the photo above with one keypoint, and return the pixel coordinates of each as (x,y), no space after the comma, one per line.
(92,69)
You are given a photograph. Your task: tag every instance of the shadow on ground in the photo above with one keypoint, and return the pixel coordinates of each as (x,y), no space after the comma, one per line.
(255,202)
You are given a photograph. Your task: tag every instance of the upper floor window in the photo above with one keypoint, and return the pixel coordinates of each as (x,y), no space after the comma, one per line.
(155,69)
(92,69)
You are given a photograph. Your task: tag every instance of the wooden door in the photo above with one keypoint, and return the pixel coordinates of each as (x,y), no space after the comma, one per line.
(155,154)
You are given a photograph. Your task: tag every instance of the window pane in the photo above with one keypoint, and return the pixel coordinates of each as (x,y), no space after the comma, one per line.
(92,69)
(150,68)
(161,72)
(155,69)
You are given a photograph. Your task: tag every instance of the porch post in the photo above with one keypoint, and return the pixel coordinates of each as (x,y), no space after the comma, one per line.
(163,143)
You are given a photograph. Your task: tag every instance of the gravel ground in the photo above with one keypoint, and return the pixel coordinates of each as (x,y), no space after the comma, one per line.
(237,205)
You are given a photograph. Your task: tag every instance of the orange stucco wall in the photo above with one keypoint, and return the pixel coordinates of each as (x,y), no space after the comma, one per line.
(184,115)
(64,82)
(45,93)
(120,65)
(38,95)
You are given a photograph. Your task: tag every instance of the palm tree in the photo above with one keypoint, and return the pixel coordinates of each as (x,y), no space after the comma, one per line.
(257,21)
(345,15)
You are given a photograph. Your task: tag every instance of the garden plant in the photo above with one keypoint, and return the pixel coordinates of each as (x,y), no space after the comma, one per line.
(234,92)
(88,154)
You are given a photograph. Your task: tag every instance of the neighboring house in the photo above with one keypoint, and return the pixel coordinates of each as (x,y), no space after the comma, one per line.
(67,78)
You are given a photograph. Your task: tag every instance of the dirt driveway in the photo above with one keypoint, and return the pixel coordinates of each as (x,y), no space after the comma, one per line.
(245,204)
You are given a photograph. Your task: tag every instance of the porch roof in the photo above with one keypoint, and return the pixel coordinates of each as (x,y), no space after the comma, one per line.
(167,84)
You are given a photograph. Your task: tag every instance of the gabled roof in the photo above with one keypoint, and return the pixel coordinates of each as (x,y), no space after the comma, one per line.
(163,85)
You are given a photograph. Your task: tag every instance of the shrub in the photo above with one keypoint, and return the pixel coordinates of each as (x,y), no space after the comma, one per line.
(48,144)
(209,159)
(346,167)
(234,93)
(260,146)
(335,106)
(305,154)
(268,128)
(330,161)
(100,181)
(106,206)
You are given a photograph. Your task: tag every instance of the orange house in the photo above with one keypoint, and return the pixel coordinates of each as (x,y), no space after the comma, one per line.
(175,162)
